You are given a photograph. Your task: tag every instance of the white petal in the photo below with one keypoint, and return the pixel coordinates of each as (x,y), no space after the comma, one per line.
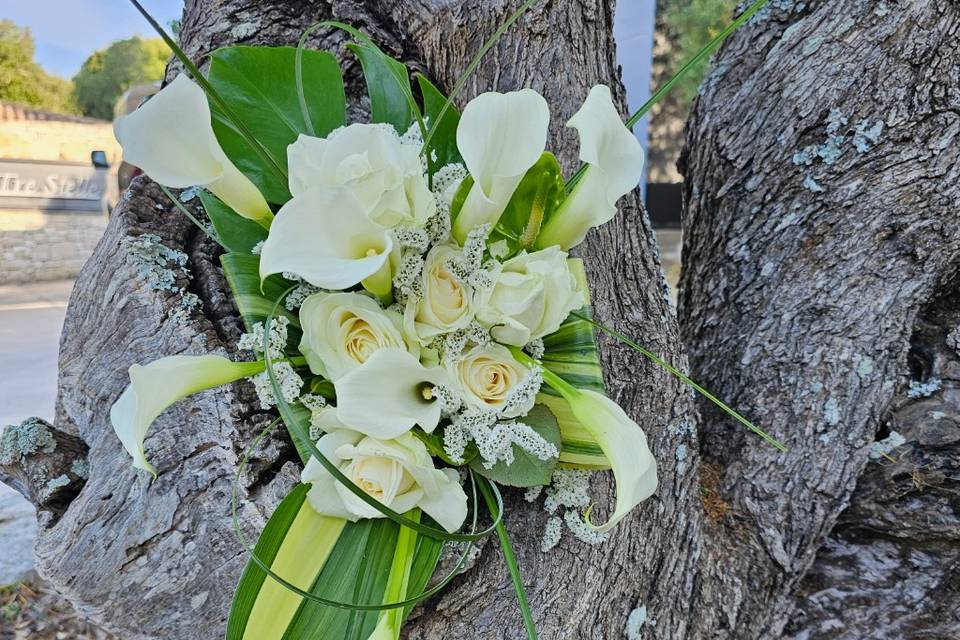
(500,136)
(615,159)
(170,137)
(158,385)
(323,495)
(448,506)
(625,445)
(325,237)
(384,398)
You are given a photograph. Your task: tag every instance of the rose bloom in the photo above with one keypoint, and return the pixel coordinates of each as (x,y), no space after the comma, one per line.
(399,473)
(383,174)
(342,330)
(533,294)
(446,304)
(486,375)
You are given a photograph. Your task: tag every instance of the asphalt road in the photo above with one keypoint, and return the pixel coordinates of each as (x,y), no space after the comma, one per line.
(31,316)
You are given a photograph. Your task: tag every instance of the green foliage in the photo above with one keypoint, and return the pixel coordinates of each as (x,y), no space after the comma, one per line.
(257,85)
(109,72)
(24,81)
(526,470)
(691,25)
(536,198)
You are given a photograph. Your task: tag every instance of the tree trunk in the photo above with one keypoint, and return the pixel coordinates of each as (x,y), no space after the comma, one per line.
(823,311)
(819,246)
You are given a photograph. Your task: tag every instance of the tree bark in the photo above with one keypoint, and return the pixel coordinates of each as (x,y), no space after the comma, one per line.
(811,262)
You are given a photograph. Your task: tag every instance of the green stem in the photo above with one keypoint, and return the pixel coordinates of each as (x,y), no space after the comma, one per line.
(511,559)
(662,91)
(676,372)
(179,205)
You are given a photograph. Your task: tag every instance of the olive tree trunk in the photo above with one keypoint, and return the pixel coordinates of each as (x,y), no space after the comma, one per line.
(723,549)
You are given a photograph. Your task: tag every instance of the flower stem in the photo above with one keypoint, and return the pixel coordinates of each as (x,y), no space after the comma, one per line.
(511,559)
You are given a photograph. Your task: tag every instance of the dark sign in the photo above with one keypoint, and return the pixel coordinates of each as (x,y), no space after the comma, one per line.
(51,186)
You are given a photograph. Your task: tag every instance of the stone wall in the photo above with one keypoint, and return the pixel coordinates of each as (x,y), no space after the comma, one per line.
(38,245)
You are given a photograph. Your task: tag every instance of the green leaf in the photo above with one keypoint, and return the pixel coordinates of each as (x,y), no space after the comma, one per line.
(243,275)
(236,233)
(296,544)
(388,85)
(257,84)
(571,353)
(534,201)
(527,470)
(444,142)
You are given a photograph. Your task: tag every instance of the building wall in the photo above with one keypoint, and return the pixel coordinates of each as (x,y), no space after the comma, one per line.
(37,245)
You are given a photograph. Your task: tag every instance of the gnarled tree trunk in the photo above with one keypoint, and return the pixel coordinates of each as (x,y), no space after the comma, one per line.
(799,307)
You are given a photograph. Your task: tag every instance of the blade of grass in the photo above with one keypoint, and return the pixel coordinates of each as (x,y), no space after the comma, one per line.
(211,92)
(676,372)
(662,91)
(511,559)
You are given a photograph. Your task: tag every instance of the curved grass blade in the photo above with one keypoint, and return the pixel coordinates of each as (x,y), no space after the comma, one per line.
(683,377)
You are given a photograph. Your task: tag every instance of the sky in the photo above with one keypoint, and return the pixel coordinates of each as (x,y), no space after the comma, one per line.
(66,32)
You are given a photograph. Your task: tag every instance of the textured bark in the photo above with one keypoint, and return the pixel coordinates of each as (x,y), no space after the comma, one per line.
(166,549)
(804,284)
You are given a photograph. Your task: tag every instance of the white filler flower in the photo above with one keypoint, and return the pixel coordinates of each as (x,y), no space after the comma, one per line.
(500,136)
(170,137)
(383,174)
(533,294)
(342,330)
(615,160)
(399,473)
(156,386)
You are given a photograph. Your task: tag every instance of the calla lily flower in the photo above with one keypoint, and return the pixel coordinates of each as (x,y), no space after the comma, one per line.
(500,136)
(170,137)
(622,440)
(325,237)
(156,386)
(615,159)
(390,393)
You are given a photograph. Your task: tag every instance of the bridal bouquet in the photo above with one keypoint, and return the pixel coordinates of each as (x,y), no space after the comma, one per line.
(411,311)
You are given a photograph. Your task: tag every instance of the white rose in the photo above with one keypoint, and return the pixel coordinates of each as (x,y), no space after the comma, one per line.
(385,175)
(446,303)
(342,330)
(486,376)
(399,473)
(532,295)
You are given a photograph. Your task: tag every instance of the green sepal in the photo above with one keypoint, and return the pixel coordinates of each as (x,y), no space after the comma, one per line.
(526,470)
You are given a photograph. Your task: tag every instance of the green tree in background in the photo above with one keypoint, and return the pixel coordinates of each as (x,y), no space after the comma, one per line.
(692,24)
(24,81)
(109,72)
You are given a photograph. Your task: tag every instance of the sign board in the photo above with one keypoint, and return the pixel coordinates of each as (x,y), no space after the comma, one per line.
(52,186)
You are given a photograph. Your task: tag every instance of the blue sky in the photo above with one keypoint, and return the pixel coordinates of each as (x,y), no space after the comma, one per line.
(67,31)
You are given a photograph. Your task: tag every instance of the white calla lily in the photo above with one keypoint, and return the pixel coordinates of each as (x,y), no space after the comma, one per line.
(324,236)
(398,472)
(170,137)
(615,159)
(156,386)
(622,440)
(500,136)
(390,393)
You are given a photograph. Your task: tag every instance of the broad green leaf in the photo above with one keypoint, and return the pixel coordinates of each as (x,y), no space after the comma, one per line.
(571,353)
(536,197)
(526,470)
(295,544)
(243,275)
(236,233)
(388,85)
(257,83)
(444,142)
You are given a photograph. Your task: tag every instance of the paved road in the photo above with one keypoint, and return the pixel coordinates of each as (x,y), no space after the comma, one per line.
(31,317)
